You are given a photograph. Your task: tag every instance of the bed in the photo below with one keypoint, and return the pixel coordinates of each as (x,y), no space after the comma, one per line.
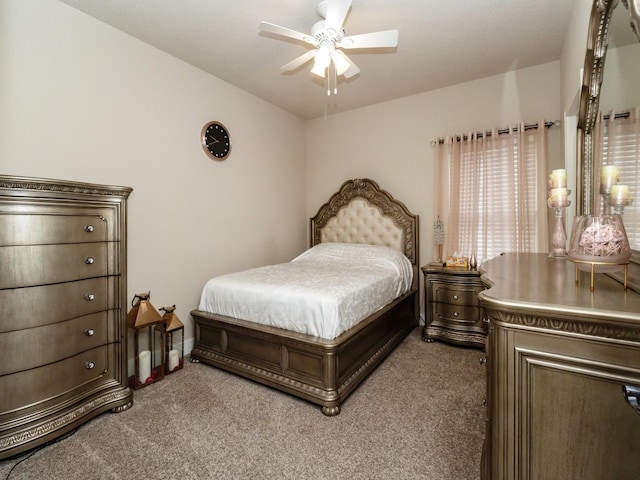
(321,370)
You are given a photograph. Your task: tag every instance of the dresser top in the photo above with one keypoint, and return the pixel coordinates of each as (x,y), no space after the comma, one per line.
(538,285)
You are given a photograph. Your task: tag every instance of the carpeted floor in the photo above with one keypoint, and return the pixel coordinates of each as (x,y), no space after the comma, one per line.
(420,415)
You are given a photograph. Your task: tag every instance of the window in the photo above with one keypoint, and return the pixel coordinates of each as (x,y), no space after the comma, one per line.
(491,192)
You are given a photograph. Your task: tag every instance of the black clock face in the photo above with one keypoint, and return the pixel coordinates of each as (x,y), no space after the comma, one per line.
(216,141)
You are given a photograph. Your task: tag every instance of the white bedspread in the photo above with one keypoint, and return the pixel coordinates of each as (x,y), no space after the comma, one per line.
(322,292)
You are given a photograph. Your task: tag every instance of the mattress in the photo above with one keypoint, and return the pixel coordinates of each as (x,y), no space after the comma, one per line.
(323,292)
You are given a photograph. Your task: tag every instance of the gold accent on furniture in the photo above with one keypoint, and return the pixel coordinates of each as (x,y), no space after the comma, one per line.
(62,298)
(563,379)
(323,371)
(452,310)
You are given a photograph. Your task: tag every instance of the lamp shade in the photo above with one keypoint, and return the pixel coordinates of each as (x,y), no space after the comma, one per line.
(322,60)
(341,63)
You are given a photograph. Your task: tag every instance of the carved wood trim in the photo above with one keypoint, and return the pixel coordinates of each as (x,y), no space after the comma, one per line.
(62,186)
(94,406)
(589,327)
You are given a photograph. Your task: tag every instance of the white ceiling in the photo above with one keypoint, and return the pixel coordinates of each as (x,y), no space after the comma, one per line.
(441,43)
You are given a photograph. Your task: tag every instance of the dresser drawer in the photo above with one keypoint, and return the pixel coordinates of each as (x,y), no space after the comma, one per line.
(456,313)
(45,264)
(46,304)
(68,377)
(38,229)
(456,294)
(34,347)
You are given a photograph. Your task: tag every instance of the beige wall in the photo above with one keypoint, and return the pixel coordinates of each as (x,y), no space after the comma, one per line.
(83,101)
(390,142)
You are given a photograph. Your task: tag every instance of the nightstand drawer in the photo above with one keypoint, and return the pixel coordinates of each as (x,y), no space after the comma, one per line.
(68,377)
(456,313)
(456,294)
(45,264)
(34,347)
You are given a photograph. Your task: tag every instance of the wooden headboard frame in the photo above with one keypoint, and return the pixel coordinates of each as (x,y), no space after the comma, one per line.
(361,212)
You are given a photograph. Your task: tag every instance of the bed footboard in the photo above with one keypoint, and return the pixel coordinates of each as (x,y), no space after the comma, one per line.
(321,371)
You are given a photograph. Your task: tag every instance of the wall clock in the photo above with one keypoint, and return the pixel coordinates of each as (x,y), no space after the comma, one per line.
(215,140)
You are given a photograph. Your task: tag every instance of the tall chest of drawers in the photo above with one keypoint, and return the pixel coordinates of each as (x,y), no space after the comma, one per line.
(62,308)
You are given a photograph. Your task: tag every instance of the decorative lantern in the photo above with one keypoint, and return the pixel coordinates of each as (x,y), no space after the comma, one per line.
(174,338)
(148,341)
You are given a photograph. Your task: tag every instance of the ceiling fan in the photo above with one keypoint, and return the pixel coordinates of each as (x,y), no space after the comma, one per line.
(328,39)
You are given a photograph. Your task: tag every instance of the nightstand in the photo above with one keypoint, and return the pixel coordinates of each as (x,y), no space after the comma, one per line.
(452,311)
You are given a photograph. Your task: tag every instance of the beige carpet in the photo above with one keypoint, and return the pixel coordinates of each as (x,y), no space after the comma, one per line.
(420,415)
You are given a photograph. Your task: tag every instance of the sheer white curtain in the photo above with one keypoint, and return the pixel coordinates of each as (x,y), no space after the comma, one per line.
(491,191)
(616,141)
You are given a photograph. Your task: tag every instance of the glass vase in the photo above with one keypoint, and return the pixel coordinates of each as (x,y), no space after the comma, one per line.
(599,243)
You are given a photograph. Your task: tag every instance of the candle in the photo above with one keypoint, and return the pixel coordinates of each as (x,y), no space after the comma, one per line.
(610,175)
(174,359)
(558,196)
(620,195)
(558,178)
(144,366)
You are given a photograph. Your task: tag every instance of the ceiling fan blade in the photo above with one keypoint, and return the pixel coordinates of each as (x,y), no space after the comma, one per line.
(298,62)
(353,68)
(388,38)
(336,13)
(286,32)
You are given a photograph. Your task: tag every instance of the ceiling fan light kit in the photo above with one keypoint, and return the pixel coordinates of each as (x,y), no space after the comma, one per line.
(328,38)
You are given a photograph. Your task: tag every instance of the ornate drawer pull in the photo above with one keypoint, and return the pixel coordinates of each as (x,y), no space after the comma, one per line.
(455,296)
(89,332)
(89,365)
(90,297)
(89,228)
(632,395)
(89,260)
(455,314)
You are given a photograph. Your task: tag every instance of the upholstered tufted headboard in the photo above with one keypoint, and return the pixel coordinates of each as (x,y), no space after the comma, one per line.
(360,212)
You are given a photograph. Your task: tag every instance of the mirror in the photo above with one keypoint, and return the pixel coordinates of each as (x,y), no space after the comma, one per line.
(614,32)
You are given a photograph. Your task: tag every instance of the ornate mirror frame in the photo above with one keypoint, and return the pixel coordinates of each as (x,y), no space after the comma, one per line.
(597,43)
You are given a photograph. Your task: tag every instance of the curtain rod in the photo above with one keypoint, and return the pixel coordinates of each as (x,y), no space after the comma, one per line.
(617,115)
(534,126)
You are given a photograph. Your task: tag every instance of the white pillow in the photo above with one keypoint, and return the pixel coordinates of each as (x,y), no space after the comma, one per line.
(357,254)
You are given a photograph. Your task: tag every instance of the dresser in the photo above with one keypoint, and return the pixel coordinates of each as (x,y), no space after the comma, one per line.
(563,379)
(62,308)
(452,310)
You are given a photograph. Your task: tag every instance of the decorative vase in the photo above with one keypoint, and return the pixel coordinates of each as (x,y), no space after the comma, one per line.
(473,262)
(599,243)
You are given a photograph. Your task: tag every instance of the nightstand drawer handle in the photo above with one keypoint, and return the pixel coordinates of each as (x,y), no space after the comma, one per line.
(455,314)
(89,228)
(89,260)
(455,296)
(90,297)
(483,360)
(89,332)
(89,365)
